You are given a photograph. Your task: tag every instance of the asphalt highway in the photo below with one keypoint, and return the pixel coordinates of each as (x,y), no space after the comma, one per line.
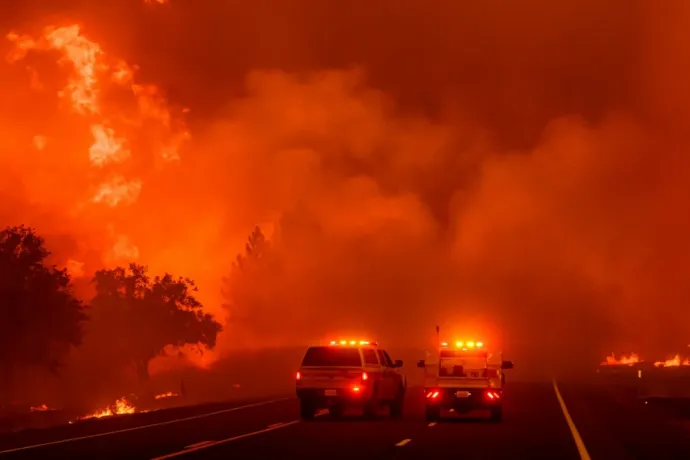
(541,420)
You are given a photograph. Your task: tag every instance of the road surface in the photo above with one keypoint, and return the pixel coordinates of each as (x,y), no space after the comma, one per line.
(541,420)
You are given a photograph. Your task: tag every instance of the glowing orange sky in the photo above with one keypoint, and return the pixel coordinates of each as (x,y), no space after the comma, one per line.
(524,165)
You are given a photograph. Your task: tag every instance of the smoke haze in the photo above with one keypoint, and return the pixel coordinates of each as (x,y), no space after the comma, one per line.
(520,164)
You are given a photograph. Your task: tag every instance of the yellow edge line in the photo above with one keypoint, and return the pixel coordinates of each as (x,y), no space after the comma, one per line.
(584,455)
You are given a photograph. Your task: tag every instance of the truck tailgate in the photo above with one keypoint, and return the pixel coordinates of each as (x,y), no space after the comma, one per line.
(330,377)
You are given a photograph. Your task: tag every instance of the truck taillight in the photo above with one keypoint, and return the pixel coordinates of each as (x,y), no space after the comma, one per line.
(298,376)
(365,376)
(493,395)
(433,394)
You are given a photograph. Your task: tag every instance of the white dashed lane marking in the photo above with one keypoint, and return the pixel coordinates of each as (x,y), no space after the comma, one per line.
(403,442)
(225,441)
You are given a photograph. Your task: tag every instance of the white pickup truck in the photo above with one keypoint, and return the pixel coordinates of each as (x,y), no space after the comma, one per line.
(463,379)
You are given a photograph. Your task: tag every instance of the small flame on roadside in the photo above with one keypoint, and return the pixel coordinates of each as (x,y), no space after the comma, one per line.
(625,360)
(169,394)
(673,362)
(41,408)
(121,407)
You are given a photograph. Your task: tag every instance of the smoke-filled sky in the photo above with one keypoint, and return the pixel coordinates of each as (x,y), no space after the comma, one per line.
(520,162)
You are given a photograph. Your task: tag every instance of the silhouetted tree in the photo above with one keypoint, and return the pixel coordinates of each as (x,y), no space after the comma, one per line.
(40,319)
(255,251)
(139,317)
(245,291)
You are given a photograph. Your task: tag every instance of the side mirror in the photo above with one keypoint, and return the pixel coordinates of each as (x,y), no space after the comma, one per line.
(507,365)
(398,363)
(421,363)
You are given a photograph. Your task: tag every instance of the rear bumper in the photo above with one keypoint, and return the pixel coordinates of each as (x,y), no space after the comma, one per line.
(463,399)
(325,397)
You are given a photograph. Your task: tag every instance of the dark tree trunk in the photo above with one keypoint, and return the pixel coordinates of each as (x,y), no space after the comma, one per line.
(6,383)
(142,369)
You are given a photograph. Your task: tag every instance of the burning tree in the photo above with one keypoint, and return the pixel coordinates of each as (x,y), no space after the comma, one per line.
(40,319)
(140,317)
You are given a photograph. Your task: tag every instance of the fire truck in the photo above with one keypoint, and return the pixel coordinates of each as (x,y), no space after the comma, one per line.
(466,377)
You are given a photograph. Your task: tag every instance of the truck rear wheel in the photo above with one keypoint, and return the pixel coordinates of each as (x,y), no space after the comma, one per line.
(369,409)
(336,411)
(497,413)
(433,413)
(307,410)
(397,403)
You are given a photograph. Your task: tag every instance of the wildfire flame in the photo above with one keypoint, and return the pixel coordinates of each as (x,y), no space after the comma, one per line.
(625,360)
(121,407)
(114,131)
(118,191)
(169,394)
(673,362)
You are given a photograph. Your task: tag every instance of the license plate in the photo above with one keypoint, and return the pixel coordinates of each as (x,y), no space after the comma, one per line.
(462,394)
(331,393)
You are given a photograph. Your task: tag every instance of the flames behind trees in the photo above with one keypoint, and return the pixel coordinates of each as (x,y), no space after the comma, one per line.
(535,179)
(139,317)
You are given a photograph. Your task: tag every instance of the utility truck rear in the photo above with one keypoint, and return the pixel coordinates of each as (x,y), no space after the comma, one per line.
(466,377)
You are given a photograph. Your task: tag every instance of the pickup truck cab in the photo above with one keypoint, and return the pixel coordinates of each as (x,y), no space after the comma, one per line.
(467,377)
(346,374)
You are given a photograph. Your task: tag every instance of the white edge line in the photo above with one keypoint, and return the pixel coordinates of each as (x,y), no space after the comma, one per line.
(224,441)
(582,450)
(275,425)
(202,443)
(152,425)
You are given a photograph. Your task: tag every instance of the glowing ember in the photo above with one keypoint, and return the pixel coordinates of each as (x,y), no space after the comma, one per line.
(86,58)
(41,408)
(118,191)
(121,407)
(106,147)
(22,45)
(625,360)
(124,250)
(169,394)
(75,268)
(40,142)
(673,362)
